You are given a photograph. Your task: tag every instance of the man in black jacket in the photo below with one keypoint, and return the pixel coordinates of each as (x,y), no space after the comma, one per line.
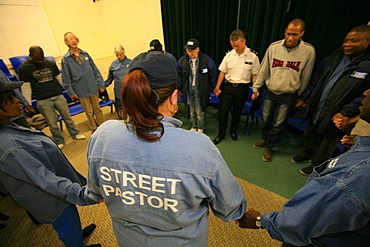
(198,72)
(338,94)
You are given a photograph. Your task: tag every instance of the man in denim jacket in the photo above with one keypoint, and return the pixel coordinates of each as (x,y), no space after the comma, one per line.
(82,80)
(34,171)
(333,208)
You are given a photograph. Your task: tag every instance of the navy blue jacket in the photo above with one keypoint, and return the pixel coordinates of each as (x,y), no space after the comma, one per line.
(345,97)
(207,73)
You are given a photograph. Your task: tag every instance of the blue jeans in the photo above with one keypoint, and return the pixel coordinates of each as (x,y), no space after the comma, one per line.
(276,111)
(196,114)
(68,227)
(47,108)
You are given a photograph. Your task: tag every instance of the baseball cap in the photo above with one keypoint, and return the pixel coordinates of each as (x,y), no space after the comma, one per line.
(158,69)
(155,45)
(6,85)
(191,44)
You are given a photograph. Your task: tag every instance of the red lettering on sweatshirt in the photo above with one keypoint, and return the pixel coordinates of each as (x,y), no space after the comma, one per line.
(293,65)
(277,63)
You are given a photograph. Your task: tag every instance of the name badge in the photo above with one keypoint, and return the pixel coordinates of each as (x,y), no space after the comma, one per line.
(205,70)
(249,63)
(332,163)
(359,75)
(86,58)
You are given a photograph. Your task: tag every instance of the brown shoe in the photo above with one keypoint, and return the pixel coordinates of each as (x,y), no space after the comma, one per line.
(266,155)
(259,144)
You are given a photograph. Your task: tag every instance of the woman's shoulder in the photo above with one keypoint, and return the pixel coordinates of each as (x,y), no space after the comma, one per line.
(112,124)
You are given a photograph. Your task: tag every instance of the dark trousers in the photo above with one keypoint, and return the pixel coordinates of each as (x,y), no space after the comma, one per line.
(233,95)
(276,111)
(318,146)
(290,245)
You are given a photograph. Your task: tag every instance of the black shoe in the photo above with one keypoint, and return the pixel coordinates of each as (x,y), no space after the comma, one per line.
(4,217)
(94,245)
(217,140)
(301,159)
(306,171)
(88,230)
(234,136)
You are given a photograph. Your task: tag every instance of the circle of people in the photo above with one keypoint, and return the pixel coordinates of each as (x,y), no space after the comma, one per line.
(157,199)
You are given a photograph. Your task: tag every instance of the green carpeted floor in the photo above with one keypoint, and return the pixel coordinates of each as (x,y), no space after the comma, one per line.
(279,175)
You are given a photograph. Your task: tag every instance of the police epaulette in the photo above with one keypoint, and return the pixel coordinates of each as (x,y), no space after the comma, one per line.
(253,51)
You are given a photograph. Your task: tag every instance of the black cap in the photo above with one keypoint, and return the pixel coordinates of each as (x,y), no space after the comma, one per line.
(6,85)
(158,69)
(191,44)
(155,45)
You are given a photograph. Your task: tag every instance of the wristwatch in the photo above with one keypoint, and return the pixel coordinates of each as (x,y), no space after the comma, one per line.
(258,222)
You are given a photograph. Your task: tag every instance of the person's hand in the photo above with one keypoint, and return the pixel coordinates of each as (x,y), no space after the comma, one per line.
(217,91)
(337,116)
(348,140)
(300,103)
(30,110)
(74,97)
(344,123)
(340,121)
(255,95)
(101,90)
(249,219)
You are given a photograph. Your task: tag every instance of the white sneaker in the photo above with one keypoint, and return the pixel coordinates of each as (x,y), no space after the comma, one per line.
(80,137)
(200,130)
(60,146)
(193,129)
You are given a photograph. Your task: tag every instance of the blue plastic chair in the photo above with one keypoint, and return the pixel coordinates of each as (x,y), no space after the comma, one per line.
(6,71)
(247,109)
(213,99)
(258,114)
(17,61)
(50,58)
(181,97)
(75,107)
(109,102)
(298,123)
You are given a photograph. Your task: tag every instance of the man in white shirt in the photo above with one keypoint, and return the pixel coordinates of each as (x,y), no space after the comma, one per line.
(237,70)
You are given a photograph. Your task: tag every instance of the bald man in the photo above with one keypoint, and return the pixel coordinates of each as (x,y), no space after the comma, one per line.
(42,76)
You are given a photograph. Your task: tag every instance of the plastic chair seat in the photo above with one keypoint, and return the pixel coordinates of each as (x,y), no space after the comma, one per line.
(6,71)
(17,61)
